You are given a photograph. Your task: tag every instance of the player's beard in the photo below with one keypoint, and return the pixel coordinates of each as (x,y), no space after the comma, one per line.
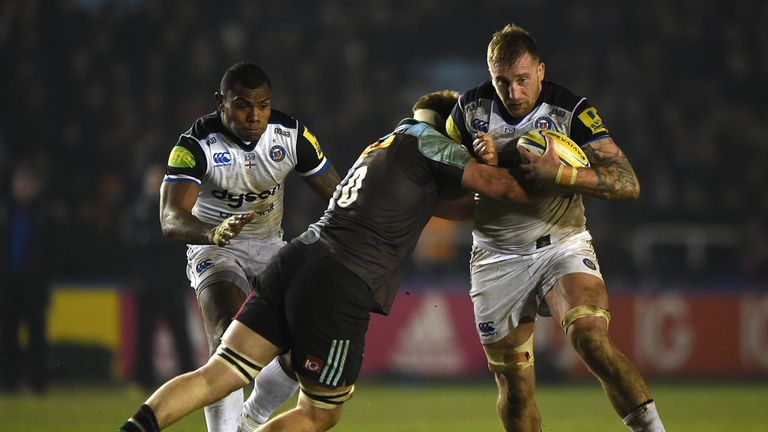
(517,109)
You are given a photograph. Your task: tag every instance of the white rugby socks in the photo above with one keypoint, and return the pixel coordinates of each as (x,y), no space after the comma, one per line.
(223,415)
(271,389)
(644,418)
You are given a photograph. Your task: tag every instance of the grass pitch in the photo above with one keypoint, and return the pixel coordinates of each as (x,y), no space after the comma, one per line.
(379,407)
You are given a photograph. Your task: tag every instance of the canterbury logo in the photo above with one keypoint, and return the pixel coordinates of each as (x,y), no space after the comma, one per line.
(203,266)
(480,125)
(335,365)
(486,328)
(223,158)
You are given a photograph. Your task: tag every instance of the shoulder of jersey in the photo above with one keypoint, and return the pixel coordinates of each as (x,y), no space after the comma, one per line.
(206,125)
(569,152)
(555,94)
(483,91)
(282,119)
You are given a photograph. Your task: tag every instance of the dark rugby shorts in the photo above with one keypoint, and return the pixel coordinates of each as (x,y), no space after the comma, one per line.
(309,304)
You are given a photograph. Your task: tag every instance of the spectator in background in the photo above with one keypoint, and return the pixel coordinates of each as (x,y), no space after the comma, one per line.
(161,294)
(26,237)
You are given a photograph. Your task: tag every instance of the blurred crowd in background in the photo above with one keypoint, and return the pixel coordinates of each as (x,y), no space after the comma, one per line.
(96,92)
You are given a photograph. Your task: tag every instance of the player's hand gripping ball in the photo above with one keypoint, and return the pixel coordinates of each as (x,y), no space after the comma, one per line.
(569,152)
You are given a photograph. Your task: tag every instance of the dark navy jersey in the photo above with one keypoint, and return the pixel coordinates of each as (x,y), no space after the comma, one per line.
(378,211)
(512,228)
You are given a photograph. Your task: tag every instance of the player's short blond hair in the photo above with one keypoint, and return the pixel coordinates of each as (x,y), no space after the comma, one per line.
(509,43)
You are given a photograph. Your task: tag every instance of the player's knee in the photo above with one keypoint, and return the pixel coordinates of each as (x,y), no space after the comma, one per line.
(326,418)
(588,336)
(506,360)
(573,319)
(324,407)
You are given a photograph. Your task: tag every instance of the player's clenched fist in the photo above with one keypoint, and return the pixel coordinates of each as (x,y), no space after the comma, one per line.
(229,229)
(485,149)
(544,168)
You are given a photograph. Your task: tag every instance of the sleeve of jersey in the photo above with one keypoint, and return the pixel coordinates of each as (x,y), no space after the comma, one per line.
(587,126)
(456,127)
(310,159)
(447,158)
(187,161)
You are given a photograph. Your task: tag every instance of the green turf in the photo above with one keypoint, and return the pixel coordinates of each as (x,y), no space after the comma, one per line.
(434,407)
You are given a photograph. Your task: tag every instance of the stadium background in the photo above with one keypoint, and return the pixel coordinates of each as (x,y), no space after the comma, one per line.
(95,91)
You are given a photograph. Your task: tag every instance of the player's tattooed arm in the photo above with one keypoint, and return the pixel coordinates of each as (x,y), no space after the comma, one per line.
(614,177)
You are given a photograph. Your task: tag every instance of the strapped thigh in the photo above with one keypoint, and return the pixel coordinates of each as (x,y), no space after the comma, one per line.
(327,399)
(245,367)
(502,360)
(584,311)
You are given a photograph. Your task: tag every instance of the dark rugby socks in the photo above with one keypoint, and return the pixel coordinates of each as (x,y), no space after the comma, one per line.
(143,421)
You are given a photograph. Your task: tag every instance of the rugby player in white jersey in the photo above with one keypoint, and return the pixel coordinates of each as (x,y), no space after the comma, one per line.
(539,256)
(223,196)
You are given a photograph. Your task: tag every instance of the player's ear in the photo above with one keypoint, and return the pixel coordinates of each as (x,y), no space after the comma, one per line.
(542,69)
(219,98)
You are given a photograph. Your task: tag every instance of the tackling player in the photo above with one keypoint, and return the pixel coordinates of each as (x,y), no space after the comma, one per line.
(314,299)
(223,196)
(539,255)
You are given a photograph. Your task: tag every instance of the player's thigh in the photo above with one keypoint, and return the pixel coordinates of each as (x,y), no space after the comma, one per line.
(219,302)
(571,282)
(247,342)
(579,290)
(515,337)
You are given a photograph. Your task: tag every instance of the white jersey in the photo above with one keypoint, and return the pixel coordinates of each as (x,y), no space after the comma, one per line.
(513,228)
(236,177)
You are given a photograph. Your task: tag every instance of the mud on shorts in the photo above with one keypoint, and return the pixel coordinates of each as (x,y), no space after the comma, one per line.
(237,263)
(509,287)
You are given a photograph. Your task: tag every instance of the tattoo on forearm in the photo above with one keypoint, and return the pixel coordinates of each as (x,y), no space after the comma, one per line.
(615,177)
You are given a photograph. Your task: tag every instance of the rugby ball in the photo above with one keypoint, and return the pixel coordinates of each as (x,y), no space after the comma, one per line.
(570,153)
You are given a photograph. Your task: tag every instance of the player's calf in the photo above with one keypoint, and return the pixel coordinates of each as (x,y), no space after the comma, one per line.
(319,409)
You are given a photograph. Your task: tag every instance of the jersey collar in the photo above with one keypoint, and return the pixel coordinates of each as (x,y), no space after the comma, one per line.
(248,147)
(507,117)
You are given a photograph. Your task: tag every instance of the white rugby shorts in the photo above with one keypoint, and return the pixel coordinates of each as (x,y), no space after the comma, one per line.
(238,263)
(509,287)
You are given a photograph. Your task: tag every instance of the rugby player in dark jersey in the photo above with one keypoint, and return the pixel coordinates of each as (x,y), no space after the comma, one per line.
(315,296)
